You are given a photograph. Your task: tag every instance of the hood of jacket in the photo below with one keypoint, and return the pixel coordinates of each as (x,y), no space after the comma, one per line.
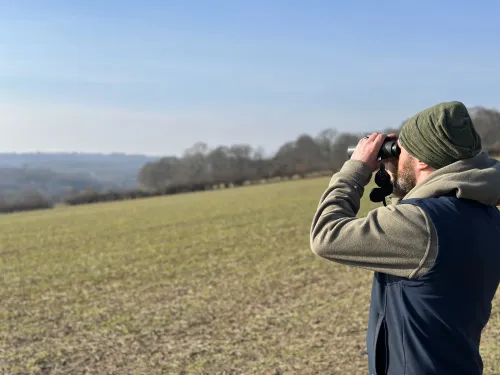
(477,179)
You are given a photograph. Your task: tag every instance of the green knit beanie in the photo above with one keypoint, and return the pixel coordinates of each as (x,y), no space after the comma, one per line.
(441,135)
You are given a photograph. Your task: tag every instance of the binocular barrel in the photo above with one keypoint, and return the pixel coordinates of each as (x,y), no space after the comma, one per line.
(350,151)
(389,149)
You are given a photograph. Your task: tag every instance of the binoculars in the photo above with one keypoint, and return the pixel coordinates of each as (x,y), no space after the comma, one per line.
(388,150)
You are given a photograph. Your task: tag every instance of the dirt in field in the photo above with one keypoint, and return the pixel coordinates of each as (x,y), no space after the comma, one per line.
(210,283)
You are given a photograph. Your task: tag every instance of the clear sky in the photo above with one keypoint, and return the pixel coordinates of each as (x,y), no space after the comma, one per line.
(156,76)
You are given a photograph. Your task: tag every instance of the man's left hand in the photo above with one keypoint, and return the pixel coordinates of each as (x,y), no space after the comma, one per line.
(368,148)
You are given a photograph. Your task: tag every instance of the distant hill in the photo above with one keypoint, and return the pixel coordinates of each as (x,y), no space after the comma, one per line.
(54,174)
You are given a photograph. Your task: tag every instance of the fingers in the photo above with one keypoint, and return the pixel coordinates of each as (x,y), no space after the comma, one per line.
(377,139)
(373,142)
(368,149)
(369,138)
(380,139)
(366,138)
(376,136)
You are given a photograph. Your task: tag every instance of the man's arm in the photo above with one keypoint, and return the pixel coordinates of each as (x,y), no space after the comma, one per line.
(397,240)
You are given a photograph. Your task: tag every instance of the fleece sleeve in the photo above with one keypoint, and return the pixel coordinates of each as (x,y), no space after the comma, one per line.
(397,239)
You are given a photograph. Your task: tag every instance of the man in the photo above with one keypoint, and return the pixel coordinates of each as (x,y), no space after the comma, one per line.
(435,251)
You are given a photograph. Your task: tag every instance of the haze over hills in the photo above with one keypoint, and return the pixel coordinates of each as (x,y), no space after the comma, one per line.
(56,174)
(102,166)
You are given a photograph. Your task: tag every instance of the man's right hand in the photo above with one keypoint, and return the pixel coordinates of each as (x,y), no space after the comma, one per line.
(368,148)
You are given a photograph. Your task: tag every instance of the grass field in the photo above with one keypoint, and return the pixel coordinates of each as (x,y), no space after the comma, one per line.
(220,282)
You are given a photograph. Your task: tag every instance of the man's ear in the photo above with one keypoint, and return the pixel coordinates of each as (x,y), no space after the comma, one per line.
(421,166)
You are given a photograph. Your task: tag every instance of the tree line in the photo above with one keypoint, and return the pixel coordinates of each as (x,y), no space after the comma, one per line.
(237,164)
(201,168)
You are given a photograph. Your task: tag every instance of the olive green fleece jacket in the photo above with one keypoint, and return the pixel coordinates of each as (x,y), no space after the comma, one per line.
(398,239)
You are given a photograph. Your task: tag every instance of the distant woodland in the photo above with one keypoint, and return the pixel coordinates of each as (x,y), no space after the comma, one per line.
(31,181)
(306,154)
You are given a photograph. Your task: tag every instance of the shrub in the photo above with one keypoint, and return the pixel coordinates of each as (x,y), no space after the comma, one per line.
(26,202)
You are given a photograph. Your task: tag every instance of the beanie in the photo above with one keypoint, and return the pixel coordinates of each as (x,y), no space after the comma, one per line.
(441,135)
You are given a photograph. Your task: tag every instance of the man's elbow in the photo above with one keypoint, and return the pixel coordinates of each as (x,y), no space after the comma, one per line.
(327,234)
(327,241)
(322,248)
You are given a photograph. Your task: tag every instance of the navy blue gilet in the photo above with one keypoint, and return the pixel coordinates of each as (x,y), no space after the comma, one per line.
(432,324)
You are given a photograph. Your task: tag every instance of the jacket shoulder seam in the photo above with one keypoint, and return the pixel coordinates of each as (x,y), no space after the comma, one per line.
(428,249)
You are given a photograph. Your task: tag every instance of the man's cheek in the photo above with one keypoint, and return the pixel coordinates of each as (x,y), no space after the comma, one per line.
(391,167)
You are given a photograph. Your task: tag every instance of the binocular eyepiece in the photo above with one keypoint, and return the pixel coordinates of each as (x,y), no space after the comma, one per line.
(389,149)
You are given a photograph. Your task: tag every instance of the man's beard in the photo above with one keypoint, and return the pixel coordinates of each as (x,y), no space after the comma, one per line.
(404,179)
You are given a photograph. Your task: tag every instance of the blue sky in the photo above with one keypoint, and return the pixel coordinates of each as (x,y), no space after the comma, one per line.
(155,77)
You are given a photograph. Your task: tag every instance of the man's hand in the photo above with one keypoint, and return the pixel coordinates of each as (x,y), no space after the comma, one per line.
(368,148)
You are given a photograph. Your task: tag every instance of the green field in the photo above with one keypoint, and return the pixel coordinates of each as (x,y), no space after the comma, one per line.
(222,282)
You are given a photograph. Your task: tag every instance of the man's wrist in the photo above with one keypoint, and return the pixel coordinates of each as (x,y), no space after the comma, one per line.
(358,171)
